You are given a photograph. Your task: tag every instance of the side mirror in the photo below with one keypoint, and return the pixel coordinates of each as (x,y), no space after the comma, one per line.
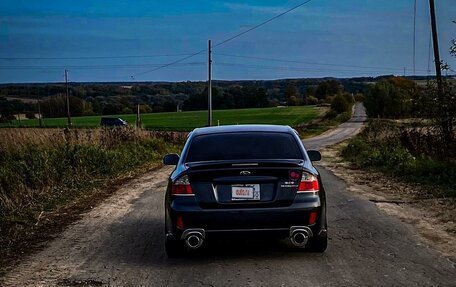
(314,155)
(171,159)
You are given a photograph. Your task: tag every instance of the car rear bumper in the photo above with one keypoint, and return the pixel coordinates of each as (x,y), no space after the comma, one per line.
(273,221)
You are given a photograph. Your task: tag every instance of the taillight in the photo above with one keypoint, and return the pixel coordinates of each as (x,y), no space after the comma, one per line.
(181,186)
(309,183)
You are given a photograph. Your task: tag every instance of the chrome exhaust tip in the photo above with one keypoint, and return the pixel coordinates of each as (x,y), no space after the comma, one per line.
(299,239)
(299,236)
(194,238)
(194,241)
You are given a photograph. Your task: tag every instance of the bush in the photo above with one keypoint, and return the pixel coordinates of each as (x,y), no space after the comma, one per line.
(359,97)
(349,98)
(30,115)
(343,117)
(339,104)
(311,100)
(331,114)
(7,119)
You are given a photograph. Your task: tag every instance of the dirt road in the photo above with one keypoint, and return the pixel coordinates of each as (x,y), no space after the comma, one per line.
(342,132)
(120,243)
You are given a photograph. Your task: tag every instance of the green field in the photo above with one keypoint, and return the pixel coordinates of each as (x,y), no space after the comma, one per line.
(188,120)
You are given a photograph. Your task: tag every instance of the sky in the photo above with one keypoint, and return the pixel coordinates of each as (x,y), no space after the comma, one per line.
(101,40)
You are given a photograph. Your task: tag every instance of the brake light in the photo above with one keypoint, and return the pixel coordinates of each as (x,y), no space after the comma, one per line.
(309,183)
(181,186)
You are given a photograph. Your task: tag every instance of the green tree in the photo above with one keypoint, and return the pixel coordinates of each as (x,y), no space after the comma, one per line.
(390,98)
(292,95)
(339,104)
(328,88)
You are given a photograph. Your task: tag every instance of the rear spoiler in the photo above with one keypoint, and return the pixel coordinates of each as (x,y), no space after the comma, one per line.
(246,163)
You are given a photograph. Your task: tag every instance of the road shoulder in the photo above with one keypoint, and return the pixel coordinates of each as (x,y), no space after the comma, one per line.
(431,218)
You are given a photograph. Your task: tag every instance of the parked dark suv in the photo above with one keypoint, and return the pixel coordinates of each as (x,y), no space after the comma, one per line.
(113,122)
(250,179)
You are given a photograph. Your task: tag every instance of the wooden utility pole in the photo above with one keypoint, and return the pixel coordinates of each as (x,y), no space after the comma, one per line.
(446,124)
(138,118)
(67,98)
(40,118)
(209,88)
(435,42)
(414,40)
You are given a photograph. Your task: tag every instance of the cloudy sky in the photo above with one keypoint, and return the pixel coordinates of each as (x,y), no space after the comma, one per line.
(100,40)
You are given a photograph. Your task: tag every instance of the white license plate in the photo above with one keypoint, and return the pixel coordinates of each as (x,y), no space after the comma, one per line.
(245,192)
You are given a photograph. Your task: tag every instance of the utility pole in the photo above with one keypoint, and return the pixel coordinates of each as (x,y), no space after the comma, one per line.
(40,118)
(138,119)
(414,39)
(67,98)
(446,124)
(435,42)
(209,89)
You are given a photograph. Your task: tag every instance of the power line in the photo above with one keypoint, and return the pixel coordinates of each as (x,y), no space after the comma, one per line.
(91,57)
(287,68)
(310,63)
(170,64)
(262,24)
(226,40)
(89,67)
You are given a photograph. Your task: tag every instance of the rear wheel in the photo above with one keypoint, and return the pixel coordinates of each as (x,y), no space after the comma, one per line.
(318,244)
(174,248)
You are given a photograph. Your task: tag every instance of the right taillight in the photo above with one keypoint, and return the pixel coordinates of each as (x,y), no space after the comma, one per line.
(309,183)
(181,186)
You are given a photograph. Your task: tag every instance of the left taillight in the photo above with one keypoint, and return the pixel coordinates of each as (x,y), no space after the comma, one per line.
(309,183)
(181,186)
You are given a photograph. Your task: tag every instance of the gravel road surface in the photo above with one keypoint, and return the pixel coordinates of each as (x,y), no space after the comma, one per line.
(120,243)
(342,132)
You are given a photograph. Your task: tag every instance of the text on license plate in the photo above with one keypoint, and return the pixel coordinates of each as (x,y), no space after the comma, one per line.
(245,192)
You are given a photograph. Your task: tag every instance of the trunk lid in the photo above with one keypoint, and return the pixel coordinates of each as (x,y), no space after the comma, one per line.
(229,184)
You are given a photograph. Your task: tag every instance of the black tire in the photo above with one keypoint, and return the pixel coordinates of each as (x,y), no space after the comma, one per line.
(318,244)
(174,248)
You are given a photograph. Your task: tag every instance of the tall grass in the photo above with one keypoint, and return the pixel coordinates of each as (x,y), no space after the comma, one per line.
(45,171)
(39,167)
(387,147)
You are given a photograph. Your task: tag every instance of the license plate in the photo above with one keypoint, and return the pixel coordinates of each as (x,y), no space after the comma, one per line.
(245,192)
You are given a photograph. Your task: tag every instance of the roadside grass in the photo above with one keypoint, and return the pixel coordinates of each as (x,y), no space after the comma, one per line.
(382,147)
(186,121)
(48,176)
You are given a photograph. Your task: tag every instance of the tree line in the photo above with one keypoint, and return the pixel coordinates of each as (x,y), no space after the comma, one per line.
(123,98)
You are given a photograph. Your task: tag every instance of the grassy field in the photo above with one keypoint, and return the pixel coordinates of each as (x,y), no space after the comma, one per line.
(188,120)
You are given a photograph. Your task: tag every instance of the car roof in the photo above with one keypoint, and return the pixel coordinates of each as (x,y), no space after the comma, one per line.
(242,128)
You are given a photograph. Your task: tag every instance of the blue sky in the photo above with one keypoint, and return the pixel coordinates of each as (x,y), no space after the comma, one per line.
(326,37)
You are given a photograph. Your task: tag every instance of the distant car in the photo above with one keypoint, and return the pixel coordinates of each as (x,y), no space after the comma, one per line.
(113,122)
(248,179)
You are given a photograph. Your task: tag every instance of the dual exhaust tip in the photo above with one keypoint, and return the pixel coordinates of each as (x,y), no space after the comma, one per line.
(299,236)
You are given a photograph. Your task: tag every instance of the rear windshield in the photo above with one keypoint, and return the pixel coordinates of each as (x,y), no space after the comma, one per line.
(234,146)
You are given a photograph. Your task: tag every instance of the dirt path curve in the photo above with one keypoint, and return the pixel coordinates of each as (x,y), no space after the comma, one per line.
(342,132)
(120,243)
